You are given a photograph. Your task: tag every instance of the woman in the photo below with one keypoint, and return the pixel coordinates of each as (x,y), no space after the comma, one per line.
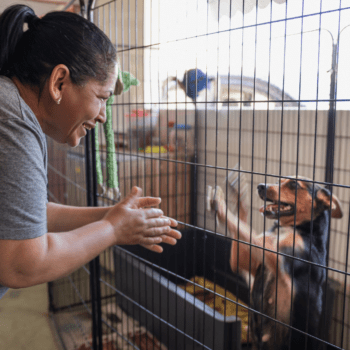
(55,79)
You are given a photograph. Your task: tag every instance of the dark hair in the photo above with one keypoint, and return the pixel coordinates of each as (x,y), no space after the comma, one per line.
(57,38)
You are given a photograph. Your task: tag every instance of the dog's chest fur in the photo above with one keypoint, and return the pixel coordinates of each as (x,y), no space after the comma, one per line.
(287,299)
(266,332)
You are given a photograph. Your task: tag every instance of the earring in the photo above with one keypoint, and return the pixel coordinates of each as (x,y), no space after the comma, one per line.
(59,100)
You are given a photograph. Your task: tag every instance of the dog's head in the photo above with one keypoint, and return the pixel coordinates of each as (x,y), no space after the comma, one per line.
(299,198)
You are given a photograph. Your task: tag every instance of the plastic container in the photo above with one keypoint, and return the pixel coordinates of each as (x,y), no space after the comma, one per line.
(149,290)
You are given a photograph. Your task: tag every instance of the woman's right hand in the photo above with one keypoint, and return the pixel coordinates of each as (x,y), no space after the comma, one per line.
(134,222)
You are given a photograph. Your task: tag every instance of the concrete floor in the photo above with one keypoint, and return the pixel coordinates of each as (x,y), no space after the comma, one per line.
(25,322)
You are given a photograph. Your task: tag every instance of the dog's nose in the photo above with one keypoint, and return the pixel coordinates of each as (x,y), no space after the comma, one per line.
(262,190)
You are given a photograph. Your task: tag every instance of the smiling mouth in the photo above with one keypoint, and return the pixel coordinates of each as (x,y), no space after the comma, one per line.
(87,127)
(276,209)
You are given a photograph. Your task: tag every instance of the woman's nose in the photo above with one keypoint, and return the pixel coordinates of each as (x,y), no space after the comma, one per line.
(101,118)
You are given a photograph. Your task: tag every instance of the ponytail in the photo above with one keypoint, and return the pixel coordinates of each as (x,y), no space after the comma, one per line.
(11,32)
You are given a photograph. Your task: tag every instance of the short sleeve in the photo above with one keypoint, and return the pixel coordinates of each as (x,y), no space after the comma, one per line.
(23,181)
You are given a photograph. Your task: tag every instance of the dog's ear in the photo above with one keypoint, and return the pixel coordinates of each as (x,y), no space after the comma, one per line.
(325,197)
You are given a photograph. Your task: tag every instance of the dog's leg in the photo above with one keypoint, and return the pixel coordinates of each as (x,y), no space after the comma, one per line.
(255,249)
(238,190)
(242,258)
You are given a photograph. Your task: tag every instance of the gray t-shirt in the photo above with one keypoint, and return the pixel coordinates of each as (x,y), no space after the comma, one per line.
(23,169)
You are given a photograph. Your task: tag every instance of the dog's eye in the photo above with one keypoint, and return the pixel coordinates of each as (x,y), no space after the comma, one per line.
(293,185)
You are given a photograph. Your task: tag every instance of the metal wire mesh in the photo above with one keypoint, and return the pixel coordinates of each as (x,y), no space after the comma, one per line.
(277,105)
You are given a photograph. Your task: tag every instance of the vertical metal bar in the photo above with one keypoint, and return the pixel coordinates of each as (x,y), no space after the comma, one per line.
(216,151)
(227,246)
(330,147)
(313,183)
(266,165)
(94,265)
(89,199)
(345,283)
(280,164)
(194,213)
(50,291)
(297,169)
(331,120)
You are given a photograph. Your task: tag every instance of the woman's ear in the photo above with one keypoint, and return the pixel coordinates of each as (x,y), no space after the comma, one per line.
(325,197)
(59,76)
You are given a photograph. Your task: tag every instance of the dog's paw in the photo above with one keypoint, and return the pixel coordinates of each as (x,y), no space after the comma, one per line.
(237,183)
(237,189)
(215,202)
(219,204)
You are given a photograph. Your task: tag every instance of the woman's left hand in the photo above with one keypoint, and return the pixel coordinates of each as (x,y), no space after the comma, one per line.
(165,238)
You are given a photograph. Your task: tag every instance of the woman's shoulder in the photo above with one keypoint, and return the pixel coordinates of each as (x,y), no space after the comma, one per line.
(9,99)
(13,109)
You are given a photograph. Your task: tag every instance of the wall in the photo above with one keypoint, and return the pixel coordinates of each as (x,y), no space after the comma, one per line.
(277,142)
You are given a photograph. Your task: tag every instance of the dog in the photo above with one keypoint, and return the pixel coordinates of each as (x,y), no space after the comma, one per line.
(287,263)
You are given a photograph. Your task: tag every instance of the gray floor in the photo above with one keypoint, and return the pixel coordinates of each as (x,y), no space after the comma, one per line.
(25,322)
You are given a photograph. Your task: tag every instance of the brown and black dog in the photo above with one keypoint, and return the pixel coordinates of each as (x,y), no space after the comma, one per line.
(287,287)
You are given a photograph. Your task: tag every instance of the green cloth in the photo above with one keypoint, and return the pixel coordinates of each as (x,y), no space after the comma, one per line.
(128,80)
(98,158)
(112,170)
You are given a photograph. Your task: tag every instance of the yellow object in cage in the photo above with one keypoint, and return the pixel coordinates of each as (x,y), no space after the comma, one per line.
(218,303)
(155,149)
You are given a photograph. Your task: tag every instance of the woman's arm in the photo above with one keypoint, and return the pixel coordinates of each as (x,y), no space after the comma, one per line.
(29,262)
(24,263)
(63,218)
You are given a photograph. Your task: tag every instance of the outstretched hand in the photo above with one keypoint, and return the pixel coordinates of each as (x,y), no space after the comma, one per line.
(134,221)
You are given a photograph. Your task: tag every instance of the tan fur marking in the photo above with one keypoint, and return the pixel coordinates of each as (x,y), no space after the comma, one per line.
(285,194)
(266,337)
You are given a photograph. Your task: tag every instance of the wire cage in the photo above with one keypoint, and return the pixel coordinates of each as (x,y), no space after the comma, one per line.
(232,94)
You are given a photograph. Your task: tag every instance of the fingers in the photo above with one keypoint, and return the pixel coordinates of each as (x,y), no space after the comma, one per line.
(158,222)
(136,191)
(157,248)
(168,240)
(148,202)
(173,223)
(153,247)
(174,233)
(135,198)
(163,230)
(153,213)
(160,234)
(151,240)
(156,213)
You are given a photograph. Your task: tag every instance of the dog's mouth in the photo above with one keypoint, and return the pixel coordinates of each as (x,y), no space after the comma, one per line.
(276,209)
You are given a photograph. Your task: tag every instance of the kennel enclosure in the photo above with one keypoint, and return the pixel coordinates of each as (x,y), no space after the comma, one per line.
(278,105)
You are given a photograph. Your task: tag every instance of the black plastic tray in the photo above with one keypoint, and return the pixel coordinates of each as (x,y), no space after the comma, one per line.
(148,285)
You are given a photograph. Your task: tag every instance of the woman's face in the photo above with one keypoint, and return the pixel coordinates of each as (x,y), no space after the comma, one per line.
(80,109)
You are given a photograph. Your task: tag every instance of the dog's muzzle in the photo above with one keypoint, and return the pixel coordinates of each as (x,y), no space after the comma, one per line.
(276,208)
(262,189)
